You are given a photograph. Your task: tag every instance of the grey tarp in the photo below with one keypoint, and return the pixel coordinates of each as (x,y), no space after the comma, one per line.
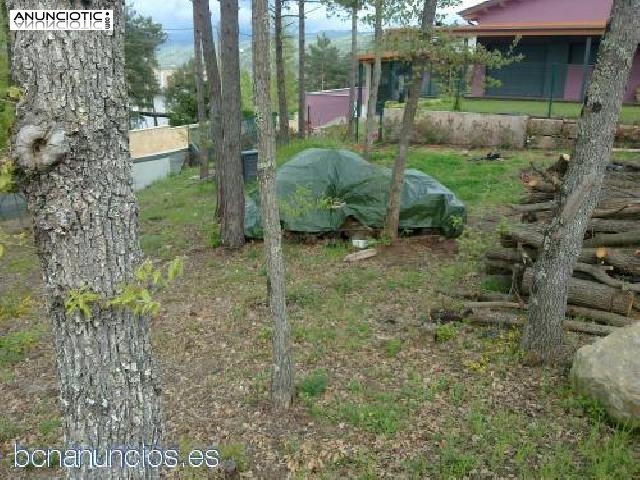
(320,188)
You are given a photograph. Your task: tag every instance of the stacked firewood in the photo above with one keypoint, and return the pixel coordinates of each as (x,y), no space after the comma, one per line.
(605,286)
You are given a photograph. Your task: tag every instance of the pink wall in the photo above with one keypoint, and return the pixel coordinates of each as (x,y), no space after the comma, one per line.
(553,11)
(634,80)
(478,77)
(573,82)
(329,105)
(573,85)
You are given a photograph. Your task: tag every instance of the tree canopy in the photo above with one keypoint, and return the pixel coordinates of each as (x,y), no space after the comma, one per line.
(326,68)
(142,38)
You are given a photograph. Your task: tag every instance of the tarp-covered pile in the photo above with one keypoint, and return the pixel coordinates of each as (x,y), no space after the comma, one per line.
(320,188)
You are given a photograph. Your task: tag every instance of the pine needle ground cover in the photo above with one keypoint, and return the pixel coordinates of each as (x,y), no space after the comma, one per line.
(378,394)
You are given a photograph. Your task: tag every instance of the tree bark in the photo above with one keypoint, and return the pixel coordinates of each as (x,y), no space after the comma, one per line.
(71,147)
(282,375)
(353,73)
(231,181)
(283,108)
(392,220)
(543,335)
(370,132)
(302,114)
(215,94)
(203,153)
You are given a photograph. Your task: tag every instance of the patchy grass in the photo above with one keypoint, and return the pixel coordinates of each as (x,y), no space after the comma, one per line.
(480,184)
(629,115)
(176,214)
(378,396)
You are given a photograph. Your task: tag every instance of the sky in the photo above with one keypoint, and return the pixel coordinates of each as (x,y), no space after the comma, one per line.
(177,14)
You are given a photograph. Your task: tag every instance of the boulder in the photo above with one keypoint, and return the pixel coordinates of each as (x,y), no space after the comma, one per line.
(609,371)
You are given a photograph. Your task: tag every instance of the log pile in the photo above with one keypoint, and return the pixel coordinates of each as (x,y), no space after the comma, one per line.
(605,286)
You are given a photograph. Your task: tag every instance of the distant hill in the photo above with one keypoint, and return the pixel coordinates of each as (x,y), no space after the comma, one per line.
(178,48)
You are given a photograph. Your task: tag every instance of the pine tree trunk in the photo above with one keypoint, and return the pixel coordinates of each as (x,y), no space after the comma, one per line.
(282,376)
(203,154)
(283,109)
(215,94)
(370,132)
(353,74)
(562,244)
(392,221)
(71,145)
(302,114)
(231,181)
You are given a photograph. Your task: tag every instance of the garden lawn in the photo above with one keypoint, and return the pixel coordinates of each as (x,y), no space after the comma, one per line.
(378,394)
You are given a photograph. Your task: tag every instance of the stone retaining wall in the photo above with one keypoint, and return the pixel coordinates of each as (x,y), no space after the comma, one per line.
(479,130)
(472,130)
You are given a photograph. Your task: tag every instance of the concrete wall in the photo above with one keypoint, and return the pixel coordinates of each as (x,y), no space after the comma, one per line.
(479,130)
(460,128)
(151,141)
(147,170)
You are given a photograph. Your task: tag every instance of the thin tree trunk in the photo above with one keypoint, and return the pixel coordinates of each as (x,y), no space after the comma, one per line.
(203,154)
(411,106)
(353,74)
(282,376)
(283,109)
(215,95)
(370,132)
(543,336)
(71,145)
(231,181)
(302,114)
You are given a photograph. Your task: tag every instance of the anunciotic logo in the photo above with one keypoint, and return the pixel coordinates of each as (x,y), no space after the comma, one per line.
(61,20)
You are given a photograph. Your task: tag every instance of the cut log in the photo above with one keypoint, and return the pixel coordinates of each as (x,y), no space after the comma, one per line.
(612,226)
(485,296)
(522,234)
(624,239)
(608,318)
(537,197)
(624,260)
(508,255)
(485,318)
(591,294)
(628,210)
(361,255)
(533,207)
(496,305)
(599,274)
(543,187)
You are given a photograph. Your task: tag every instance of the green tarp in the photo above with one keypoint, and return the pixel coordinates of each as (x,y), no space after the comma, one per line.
(320,188)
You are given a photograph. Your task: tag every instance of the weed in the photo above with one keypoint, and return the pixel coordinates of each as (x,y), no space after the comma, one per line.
(392,347)
(237,453)
(314,384)
(14,346)
(445,332)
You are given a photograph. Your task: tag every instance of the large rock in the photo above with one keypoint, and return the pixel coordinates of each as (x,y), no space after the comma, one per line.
(609,371)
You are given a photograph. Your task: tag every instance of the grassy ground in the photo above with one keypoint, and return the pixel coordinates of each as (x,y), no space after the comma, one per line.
(378,396)
(629,115)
